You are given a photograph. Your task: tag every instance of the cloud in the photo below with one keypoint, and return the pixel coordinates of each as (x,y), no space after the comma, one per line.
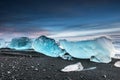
(9,36)
(10,32)
(57,18)
(21,29)
(23,11)
(95,29)
(84,33)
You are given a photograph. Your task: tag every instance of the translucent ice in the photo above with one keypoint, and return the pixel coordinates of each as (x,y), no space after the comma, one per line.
(21,43)
(47,46)
(73,67)
(97,50)
(117,64)
(2,43)
(76,67)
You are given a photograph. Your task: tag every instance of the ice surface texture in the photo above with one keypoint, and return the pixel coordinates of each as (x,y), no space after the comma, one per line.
(73,67)
(2,43)
(117,64)
(47,46)
(21,43)
(97,50)
(76,67)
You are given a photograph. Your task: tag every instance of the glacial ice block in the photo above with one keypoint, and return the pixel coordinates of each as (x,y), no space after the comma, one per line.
(20,43)
(47,46)
(2,43)
(97,50)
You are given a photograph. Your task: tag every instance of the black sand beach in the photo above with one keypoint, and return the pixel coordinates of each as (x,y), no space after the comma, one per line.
(29,65)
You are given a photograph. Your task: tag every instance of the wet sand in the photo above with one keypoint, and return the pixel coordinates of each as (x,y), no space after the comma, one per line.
(30,65)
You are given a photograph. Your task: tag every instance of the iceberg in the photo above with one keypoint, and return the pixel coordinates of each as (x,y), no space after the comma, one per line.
(98,49)
(20,43)
(2,43)
(47,46)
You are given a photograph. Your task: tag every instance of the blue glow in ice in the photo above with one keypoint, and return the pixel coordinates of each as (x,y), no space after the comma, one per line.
(2,43)
(21,43)
(47,46)
(97,50)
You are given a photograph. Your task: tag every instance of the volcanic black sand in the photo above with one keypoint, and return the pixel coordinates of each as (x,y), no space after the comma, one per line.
(29,65)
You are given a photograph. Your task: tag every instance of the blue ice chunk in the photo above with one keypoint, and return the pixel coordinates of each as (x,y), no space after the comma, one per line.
(97,50)
(2,43)
(20,43)
(47,46)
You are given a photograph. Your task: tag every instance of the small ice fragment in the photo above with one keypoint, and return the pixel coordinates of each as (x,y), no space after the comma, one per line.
(32,66)
(36,69)
(73,67)
(117,64)
(104,76)
(76,67)
(8,72)
(66,57)
(13,67)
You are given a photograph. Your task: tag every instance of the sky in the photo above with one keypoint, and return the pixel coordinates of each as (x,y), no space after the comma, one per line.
(59,18)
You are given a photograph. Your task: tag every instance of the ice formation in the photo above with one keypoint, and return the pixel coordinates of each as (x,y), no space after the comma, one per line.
(116,55)
(117,64)
(116,43)
(73,67)
(47,46)
(76,67)
(2,43)
(97,50)
(20,43)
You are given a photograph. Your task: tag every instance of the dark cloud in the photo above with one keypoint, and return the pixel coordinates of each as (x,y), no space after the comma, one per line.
(7,29)
(20,11)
